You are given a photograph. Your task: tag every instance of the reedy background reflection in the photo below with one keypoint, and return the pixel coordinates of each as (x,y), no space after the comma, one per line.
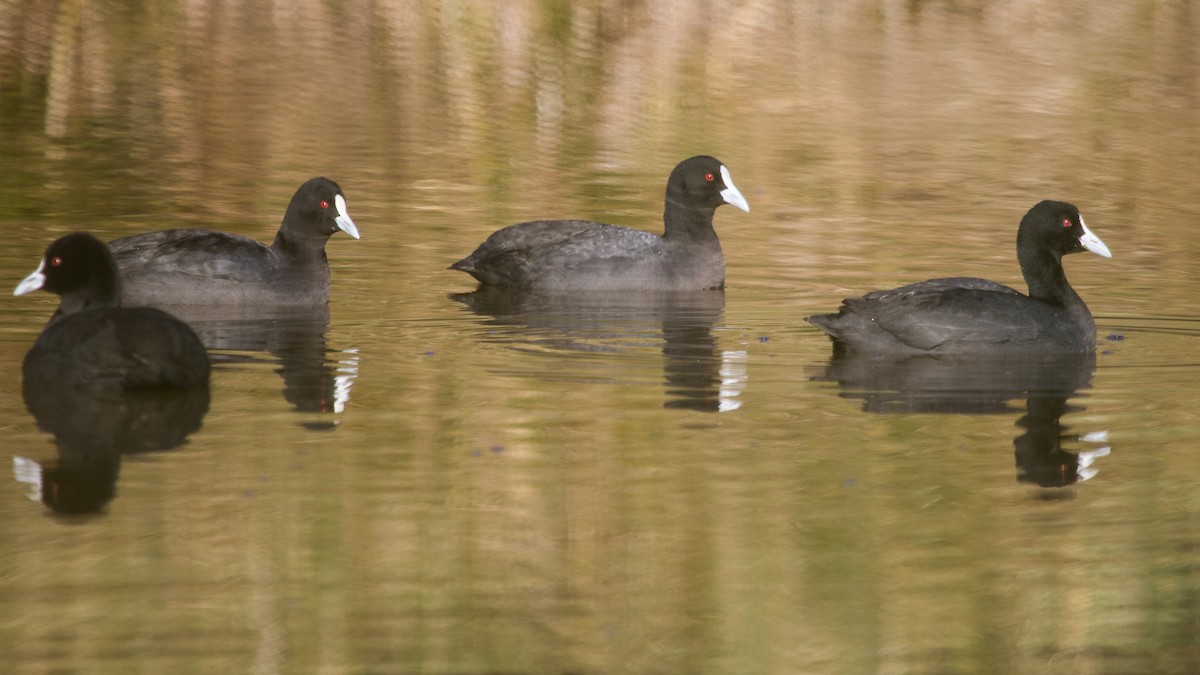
(521,496)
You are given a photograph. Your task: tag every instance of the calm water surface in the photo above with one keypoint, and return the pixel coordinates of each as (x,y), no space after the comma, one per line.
(429,480)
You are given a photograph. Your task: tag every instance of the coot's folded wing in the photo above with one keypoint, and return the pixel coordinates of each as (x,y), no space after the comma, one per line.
(192,252)
(937,313)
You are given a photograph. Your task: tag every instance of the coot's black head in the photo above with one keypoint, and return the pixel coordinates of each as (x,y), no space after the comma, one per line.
(1057,228)
(703,182)
(80,269)
(318,209)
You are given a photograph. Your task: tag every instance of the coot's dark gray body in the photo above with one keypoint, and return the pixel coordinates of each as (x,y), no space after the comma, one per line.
(964,315)
(204,267)
(92,342)
(574,255)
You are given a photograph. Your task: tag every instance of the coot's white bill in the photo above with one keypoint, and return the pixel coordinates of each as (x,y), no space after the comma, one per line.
(343,219)
(730,194)
(33,282)
(1091,242)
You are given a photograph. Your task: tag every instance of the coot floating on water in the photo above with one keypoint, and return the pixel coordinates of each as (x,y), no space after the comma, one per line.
(574,255)
(93,342)
(965,315)
(204,267)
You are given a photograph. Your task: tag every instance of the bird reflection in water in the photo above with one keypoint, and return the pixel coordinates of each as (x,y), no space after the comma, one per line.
(92,429)
(984,386)
(295,338)
(697,374)
(1041,458)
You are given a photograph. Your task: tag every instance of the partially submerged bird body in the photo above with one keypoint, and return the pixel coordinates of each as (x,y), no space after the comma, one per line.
(962,315)
(205,267)
(583,255)
(93,342)
(217,268)
(155,350)
(925,318)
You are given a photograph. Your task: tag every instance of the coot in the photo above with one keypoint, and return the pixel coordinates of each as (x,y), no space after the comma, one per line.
(965,315)
(202,267)
(570,255)
(92,341)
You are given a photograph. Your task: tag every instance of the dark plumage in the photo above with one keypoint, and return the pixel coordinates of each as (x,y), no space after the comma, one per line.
(203,267)
(93,342)
(569,255)
(965,315)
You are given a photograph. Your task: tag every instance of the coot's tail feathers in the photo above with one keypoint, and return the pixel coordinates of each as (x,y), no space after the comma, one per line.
(482,275)
(485,274)
(823,321)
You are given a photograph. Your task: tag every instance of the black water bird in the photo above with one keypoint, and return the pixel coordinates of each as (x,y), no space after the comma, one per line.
(93,342)
(574,255)
(966,315)
(204,267)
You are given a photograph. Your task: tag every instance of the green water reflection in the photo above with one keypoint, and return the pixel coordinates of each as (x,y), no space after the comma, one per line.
(418,484)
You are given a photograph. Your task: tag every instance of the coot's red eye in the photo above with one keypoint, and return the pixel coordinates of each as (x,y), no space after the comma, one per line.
(709,177)
(1067,222)
(324,204)
(55,261)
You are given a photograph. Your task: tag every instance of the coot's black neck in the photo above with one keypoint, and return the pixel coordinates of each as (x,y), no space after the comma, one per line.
(290,244)
(1046,279)
(688,223)
(102,291)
